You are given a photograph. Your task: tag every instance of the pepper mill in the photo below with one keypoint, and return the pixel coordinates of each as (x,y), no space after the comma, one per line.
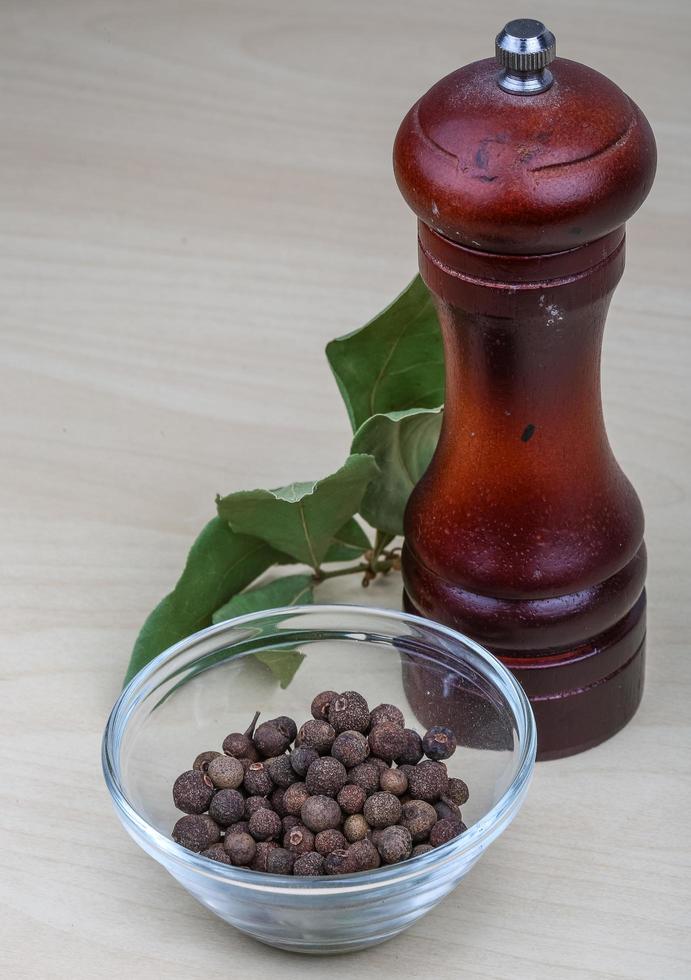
(524,532)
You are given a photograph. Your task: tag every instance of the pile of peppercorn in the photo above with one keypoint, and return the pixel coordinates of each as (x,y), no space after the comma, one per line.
(332,803)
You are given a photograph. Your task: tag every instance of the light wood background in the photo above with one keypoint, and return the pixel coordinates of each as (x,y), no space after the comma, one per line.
(195,197)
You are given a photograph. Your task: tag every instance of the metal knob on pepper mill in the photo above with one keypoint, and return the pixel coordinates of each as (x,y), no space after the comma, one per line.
(524,49)
(524,532)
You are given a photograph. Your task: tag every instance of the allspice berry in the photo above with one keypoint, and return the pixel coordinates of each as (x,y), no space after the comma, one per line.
(457,791)
(270,741)
(363,856)
(287,726)
(281,772)
(350,748)
(444,831)
(289,822)
(439,743)
(261,857)
(395,844)
(321,813)
(301,758)
(294,797)
(240,746)
(326,776)
(240,848)
(412,752)
(280,861)
(386,712)
(387,741)
(239,827)
(254,803)
(265,825)
(319,708)
(327,841)
(418,817)
(349,712)
(192,791)
(299,839)
(318,735)
(226,772)
(217,852)
(196,832)
(393,781)
(382,810)
(309,864)
(257,781)
(336,863)
(203,759)
(356,828)
(366,776)
(421,849)
(276,800)
(428,781)
(351,798)
(227,807)
(446,809)
(379,763)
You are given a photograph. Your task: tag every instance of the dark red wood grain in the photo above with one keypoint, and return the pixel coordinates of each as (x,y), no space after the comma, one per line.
(524,532)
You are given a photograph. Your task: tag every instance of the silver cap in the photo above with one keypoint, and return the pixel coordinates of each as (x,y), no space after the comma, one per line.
(524,49)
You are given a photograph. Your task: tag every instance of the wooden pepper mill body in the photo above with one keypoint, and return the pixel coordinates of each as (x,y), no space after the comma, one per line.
(524,532)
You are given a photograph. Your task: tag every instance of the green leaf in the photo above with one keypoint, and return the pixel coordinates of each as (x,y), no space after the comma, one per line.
(292,590)
(220,563)
(348,543)
(402,444)
(283,664)
(302,518)
(395,362)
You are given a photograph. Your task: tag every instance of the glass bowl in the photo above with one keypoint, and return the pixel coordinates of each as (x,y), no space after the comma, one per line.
(191,696)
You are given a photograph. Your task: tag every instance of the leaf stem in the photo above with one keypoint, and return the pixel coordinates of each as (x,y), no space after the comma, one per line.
(362,568)
(249,731)
(382,539)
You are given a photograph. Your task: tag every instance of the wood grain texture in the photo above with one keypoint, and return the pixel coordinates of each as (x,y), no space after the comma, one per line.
(196,196)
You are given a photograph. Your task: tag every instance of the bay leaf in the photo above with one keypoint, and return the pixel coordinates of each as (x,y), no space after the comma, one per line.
(403,444)
(395,362)
(220,564)
(348,543)
(291,590)
(301,519)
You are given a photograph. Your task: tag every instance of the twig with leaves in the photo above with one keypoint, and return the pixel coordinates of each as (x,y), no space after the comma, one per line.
(391,376)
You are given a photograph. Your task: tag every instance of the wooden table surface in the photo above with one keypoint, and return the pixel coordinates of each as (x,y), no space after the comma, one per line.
(196,196)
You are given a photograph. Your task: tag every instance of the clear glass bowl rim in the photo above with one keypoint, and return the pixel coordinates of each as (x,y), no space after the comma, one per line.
(460,849)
